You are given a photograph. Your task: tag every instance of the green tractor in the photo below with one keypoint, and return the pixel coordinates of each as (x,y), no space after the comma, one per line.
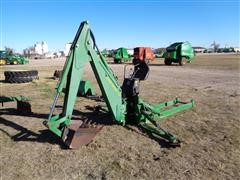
(10,58)
(179,52)
(121,55)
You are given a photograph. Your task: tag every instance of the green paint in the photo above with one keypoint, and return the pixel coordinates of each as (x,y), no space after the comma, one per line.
(11,58)
(178,52)
(121,55)
(84,50)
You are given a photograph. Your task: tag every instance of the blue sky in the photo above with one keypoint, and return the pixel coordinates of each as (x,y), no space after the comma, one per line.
(119,23)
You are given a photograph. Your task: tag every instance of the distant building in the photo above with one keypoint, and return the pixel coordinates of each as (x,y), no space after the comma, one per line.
(198,49)
(49,55)
(236,49)
(40,48)
(67,48)
(159,50)
(130,52)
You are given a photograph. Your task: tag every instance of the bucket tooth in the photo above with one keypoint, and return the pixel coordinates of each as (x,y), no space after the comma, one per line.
(79,134)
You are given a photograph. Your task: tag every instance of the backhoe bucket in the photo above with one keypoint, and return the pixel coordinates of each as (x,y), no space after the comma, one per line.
(79,133)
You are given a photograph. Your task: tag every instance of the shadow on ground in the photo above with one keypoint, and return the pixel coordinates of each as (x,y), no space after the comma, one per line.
(97,116)
(162,142)
(24,134)
(163,65)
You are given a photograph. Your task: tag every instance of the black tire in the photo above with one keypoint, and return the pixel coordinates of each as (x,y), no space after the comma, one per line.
(117,61)
(20,76)
(168,62)
(136,61)
(182,61)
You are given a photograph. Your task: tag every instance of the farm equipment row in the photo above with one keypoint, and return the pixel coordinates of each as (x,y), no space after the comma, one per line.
(179,52)
(139,54)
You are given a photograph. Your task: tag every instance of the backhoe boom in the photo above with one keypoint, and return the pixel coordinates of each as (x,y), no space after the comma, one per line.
(123,103)
(83,51)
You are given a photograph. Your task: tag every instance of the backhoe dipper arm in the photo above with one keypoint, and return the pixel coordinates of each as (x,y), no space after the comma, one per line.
(81,52)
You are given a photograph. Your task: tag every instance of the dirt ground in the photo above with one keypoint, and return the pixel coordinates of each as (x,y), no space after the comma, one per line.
(210,132)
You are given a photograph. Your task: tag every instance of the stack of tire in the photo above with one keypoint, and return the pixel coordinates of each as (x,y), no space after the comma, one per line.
(22,76)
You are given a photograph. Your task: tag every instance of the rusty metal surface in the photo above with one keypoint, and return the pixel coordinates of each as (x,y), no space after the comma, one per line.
(80,133)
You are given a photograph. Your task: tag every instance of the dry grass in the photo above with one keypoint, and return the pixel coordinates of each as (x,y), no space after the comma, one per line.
(210,132)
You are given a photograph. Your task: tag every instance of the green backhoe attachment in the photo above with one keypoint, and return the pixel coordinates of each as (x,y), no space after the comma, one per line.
(85,87)
(123,102)
(151,113)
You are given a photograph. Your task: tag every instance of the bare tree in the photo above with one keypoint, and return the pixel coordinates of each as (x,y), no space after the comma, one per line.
(215,46)
(9,50)
(27,52)
(160,50)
